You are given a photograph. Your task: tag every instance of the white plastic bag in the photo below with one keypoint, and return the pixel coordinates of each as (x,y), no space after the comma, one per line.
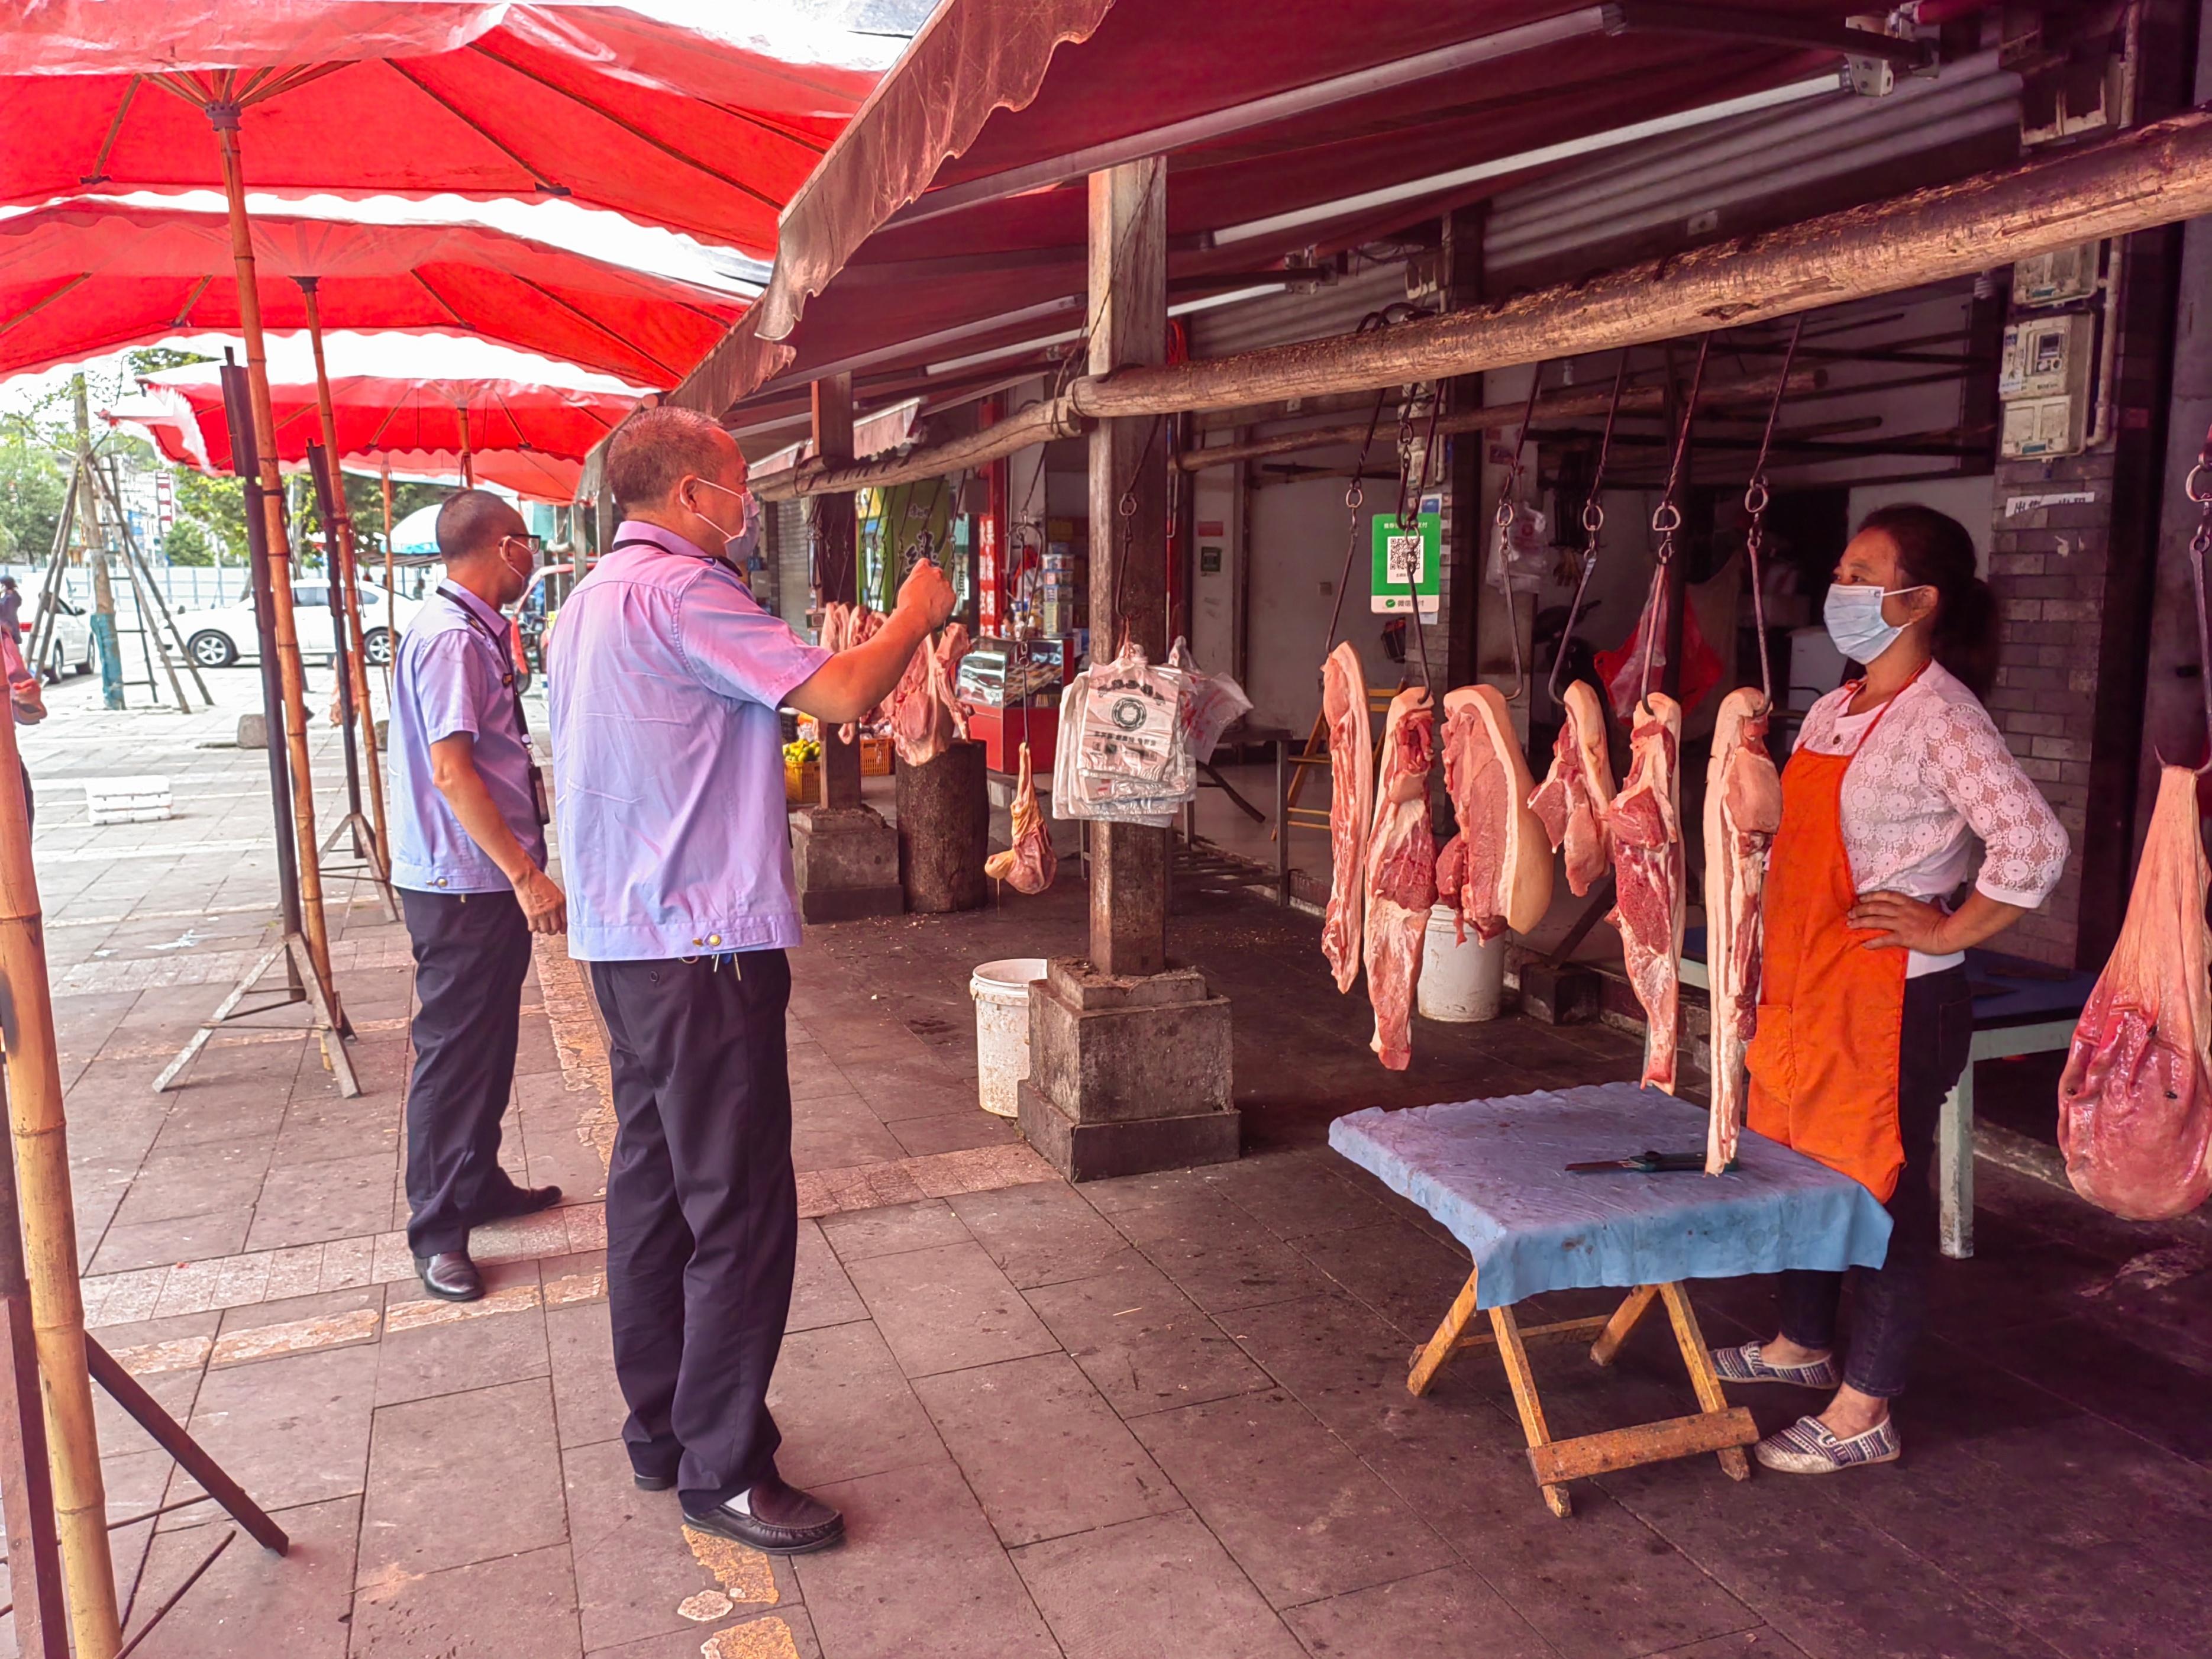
(1124,752)
(1212,703)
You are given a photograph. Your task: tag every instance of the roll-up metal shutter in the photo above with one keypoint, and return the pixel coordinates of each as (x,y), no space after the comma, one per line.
(1280,318)
(1709,171)
(793,566)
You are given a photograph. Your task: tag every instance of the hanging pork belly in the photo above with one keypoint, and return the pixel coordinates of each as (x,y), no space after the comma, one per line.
(925,718)
(1401,873)
(1028,865)
(2134,1103)
(1645,822)
(1351,809)
(1743,809)
(1497,871)
(1571,803)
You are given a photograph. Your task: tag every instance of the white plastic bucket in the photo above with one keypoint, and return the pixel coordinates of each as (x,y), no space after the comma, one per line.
(1001,990)
(1460,983)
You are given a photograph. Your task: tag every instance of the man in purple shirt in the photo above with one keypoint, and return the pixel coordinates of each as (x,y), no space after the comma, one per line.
(666,677)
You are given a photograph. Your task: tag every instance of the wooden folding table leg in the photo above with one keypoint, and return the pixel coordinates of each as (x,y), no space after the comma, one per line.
(1622,1322)
(1703,1377)
(1523,1379)
(1431,1359)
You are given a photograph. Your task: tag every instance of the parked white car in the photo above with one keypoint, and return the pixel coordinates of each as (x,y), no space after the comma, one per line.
(217,638)
(69,650)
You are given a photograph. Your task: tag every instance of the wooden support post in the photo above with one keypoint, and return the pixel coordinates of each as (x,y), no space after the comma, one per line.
(40,1134)
(1129,534)
(285,642)
(26,1480)
(837,562)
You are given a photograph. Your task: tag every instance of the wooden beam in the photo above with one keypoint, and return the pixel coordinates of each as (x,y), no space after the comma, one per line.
(1128,311)
(820,475)
(1495,417)
(837,564)
(2157,174)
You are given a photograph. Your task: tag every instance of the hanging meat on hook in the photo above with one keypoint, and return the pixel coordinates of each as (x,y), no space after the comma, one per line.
(1028,865)
(1351,809)
(2134,1103)
(1645,821)
(1743,809)
(927,720)
(1401,873)
(1496,874)
(1571,803)
(844,626)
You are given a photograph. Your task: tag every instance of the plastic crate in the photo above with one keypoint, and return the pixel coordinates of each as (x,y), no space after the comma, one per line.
(128,800)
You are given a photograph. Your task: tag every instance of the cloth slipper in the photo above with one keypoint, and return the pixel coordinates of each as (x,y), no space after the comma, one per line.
(1747,1365)
(1807,1447)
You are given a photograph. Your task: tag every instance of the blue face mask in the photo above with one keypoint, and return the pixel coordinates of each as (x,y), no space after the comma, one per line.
(1855,622)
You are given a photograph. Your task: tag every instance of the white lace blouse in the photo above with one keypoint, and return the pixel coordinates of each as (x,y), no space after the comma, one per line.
(1936,775)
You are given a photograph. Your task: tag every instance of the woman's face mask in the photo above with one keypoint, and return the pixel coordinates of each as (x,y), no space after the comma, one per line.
(1853,614)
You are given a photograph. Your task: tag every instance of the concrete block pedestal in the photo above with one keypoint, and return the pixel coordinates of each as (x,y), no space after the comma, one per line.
(846,863)
(1128,1076)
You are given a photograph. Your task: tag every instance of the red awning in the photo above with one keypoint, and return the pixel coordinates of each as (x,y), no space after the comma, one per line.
(92,276)
(378,417)
(414,97)
(929,233)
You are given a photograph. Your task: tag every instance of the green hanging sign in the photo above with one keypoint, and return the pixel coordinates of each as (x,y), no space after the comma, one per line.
(1408,564)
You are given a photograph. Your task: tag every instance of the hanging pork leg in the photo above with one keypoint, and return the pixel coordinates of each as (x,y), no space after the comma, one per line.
(1571,801)
(1028,865)
(1497,871)
(1351,809)
(1401,873)
(1645,823)
(1743,809)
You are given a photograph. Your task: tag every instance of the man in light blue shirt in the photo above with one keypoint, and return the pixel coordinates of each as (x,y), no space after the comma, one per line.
(468,856)
(668,771)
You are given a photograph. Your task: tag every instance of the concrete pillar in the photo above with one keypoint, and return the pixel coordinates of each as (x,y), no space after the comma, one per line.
(1130,1058)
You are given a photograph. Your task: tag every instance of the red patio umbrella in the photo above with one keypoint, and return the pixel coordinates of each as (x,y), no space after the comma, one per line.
(91,276)
(404,97)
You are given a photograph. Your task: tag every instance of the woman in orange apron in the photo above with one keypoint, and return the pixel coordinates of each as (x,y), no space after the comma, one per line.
(1865,1016)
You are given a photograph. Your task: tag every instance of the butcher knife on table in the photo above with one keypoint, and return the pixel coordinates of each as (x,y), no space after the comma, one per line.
(1644,1163)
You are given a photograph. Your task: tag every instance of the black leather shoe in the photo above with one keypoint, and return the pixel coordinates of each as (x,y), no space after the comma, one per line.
(785,1521)
(652,1482)
(451,1276)
(515,1201)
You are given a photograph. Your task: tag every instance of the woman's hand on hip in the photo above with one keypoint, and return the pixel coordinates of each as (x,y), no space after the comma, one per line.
(1899,923)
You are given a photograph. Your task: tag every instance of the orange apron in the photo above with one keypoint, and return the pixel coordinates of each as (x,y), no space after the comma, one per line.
(1824,1060)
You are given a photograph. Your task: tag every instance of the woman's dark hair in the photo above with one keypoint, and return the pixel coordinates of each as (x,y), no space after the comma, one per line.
(1935,550)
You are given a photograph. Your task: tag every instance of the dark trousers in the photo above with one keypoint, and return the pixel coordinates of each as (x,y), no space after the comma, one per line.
(702,1212)
(1890,1303)
(471,953)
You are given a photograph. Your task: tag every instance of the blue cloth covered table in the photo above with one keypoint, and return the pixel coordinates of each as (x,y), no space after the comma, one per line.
(1493,1172)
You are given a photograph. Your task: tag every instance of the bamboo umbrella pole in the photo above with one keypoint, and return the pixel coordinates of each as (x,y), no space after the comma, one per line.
(468,459)
(49,1217)
(224,119)
(391,595)
(355,661)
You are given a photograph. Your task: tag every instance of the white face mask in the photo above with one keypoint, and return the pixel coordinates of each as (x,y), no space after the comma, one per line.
(1853,614)
(738,544)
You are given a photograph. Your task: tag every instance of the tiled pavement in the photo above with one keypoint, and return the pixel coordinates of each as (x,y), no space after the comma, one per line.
(1162,1416)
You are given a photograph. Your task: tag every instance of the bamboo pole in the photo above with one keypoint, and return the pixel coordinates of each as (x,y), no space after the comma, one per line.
(26,1480)
(2156,175)
(391,594)
(468,457)
(355,663)
(224,119)
(40,1134)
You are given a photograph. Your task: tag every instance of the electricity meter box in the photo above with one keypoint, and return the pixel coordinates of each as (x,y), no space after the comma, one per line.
(2043,380)
(2057,279)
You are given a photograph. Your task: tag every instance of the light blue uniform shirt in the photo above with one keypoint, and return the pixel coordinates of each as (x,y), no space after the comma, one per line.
(450,677)
(668,756)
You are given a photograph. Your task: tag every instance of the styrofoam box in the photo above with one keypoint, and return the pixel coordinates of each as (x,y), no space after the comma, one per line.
(127,800)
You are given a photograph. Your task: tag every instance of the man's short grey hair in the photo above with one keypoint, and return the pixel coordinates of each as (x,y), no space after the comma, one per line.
(472,521)
(656,449)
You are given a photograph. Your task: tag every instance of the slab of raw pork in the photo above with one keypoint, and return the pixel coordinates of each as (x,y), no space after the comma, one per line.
(1496,874)
(1645,823)
(1028,865)
(844,626)
(927,720)
(1401,873)
(1571,801)
(1351,809)
(1743,809)
(2134,1103)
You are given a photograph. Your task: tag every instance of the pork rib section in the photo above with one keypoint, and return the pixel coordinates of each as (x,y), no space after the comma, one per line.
(1401,873)
(1646,824)
(1571,803)
(1743,809)
(2134,1103)
(927,720)
(1496,874)
(1351,809)
(1028,865)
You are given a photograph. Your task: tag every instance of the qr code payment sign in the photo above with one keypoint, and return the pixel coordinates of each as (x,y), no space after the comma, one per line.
(1402,565)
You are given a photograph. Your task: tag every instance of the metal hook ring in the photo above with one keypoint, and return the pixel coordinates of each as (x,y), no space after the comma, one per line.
(1593,517)
(1755,498)
(1508,510)
(1667,520)
(2194,488)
